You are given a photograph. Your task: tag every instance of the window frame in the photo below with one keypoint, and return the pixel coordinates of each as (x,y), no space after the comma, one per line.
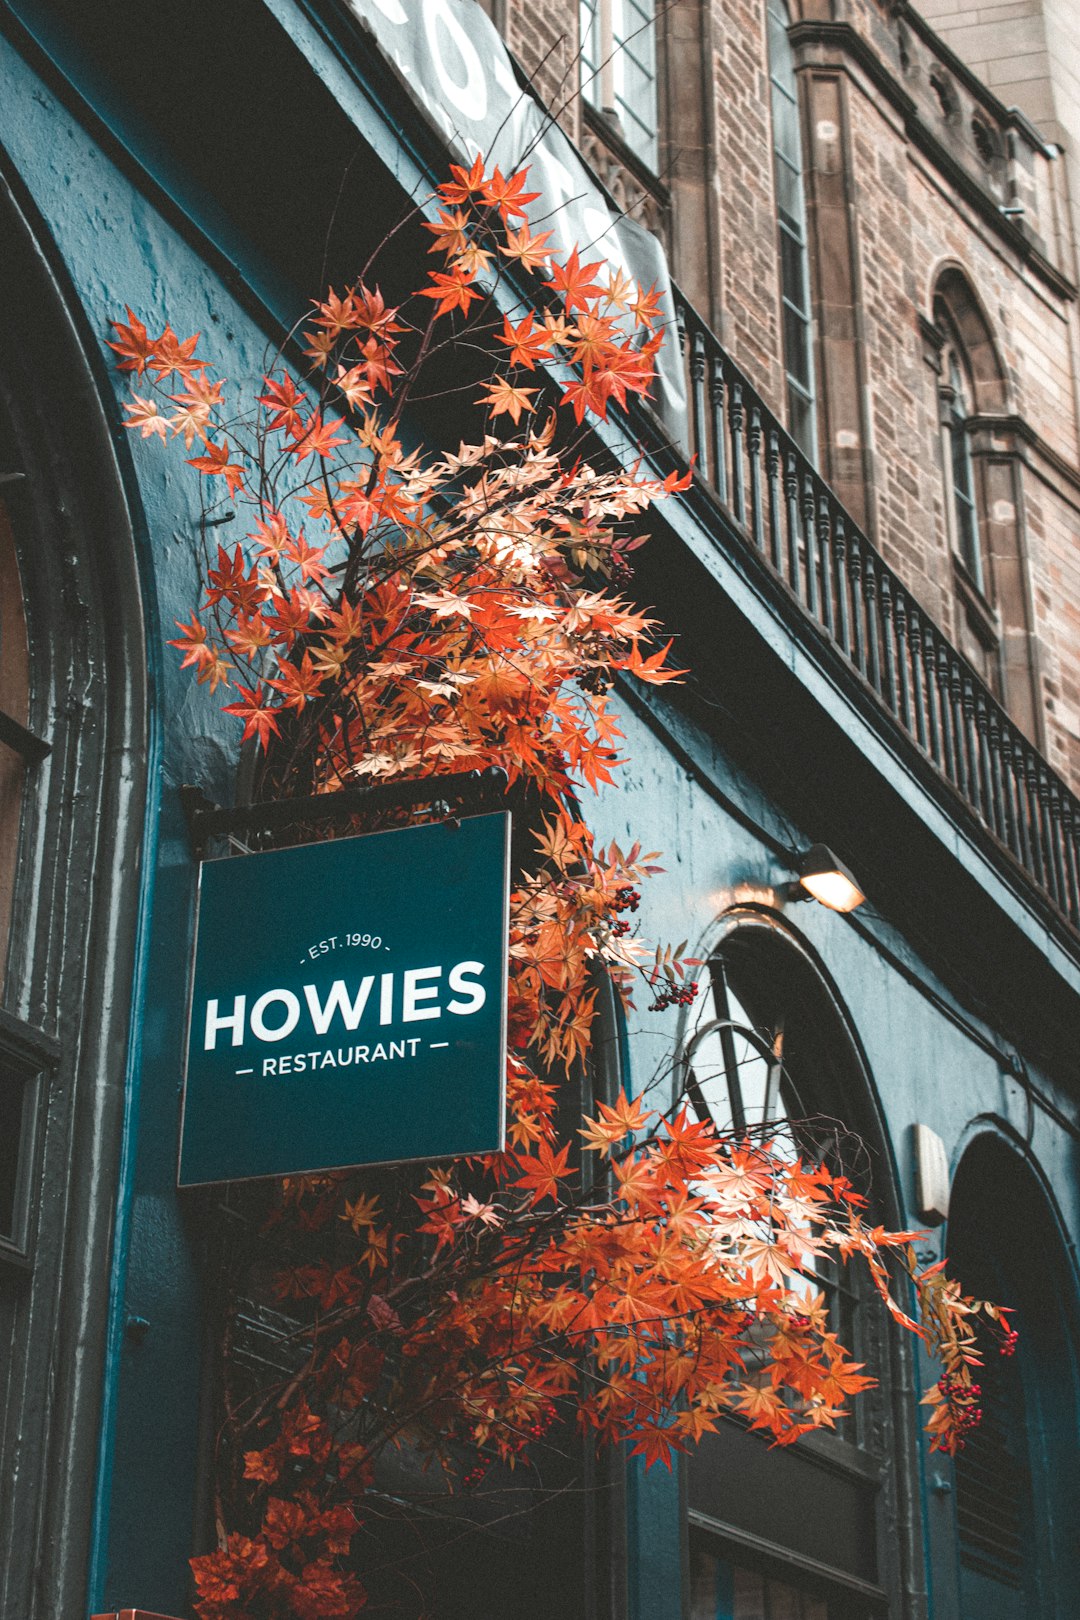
(607,46)
(963,517)
(793,266)
(30,1056)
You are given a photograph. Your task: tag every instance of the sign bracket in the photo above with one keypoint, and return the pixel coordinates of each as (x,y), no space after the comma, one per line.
(459,791)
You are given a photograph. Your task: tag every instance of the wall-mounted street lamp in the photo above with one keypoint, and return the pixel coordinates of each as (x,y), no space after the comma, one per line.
(824,877)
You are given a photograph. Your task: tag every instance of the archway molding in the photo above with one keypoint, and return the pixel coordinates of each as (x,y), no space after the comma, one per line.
(77,897)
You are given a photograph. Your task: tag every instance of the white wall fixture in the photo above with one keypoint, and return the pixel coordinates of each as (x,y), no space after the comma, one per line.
(931,1175)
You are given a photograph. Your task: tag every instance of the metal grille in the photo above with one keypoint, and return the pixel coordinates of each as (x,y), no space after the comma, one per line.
(993,1483)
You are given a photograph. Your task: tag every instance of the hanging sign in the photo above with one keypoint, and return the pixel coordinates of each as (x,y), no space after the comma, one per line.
(348,1004)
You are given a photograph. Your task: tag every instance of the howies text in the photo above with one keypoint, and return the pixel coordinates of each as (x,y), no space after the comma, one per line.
(407,998)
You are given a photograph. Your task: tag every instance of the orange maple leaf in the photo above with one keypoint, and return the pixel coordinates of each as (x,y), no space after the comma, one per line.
(575,281)
(466,183)
(526,249)
(216,463)
(453,290)
(526,341)
(134,347)
(503,398)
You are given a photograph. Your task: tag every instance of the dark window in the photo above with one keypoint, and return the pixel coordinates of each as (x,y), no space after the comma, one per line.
(722,1589)
(23,1053)
(24,1057)
(17,747)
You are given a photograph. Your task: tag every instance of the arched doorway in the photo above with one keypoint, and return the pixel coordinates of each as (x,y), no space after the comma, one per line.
(825,1531)
(73,730)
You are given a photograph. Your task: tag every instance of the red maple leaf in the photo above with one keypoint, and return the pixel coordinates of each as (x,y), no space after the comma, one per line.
(314,437)
(283,401)
(216,463)
(575,282)
(543,1172)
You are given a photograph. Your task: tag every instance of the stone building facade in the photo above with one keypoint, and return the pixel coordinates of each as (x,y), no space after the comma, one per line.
(938,221)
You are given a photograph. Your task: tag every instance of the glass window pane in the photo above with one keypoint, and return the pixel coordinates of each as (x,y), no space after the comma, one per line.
(797,348)
(590,49)
(789,194)
(15,702)
(801,421)
(786,137)
(12,1094)
(793,271)
(791,215)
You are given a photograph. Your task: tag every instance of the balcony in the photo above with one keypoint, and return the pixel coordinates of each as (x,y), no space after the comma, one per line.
(782,508)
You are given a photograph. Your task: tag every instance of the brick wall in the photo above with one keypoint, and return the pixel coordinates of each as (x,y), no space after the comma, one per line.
(746,216)
(544,36)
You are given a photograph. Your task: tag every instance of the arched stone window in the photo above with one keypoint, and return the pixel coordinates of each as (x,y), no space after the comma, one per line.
(800,1533)
(798,344)
(963,509)
(1017,1481)
(981,497)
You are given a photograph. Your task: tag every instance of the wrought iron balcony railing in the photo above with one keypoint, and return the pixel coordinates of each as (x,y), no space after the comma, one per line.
(787,512)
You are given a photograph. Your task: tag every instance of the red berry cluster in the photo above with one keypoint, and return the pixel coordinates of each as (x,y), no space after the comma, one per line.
(475,1476)
(620,927)
(541,1423)
(1009,1342)
(596,681)
(675,995)
(962,1399)
(627,898)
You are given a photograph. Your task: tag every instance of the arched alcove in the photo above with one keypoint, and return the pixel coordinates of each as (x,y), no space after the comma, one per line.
(1018,1479)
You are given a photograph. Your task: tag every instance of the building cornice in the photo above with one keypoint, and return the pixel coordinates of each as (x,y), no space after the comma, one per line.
(842,38)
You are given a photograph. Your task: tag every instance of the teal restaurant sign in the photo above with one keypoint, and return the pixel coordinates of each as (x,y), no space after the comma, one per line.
(348,1004)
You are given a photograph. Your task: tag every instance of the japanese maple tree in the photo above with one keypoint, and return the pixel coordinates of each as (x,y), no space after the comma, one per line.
(394,612)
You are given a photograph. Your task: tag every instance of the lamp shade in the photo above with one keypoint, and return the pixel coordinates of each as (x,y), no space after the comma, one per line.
(824,876)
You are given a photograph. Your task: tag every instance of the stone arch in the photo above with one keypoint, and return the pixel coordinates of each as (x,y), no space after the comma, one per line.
(954,293)
(980,473)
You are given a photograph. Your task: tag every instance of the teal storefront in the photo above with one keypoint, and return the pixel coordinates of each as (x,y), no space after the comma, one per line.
(214,168)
